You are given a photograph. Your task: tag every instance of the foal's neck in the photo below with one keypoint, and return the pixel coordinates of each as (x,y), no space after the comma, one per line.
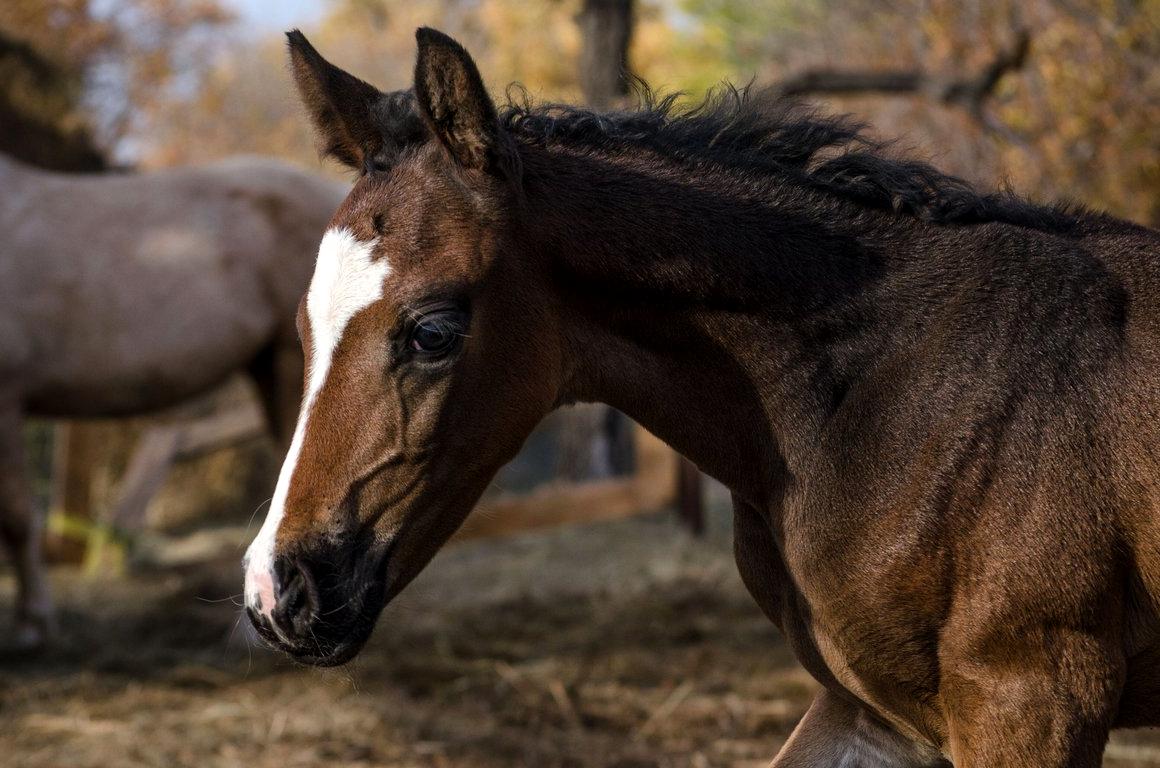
(725,317)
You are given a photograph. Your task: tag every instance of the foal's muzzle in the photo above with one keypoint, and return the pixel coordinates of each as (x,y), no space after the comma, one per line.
(324,606)
(296,601)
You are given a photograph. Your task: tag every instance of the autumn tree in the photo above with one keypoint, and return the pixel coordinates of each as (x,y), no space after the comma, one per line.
(245,101)
(78,78)
(1077,121)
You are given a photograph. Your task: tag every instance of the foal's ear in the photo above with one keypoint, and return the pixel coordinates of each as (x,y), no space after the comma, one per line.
(455,104)
(341,106)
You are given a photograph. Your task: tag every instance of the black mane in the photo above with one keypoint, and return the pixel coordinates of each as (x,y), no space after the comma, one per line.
(756,133)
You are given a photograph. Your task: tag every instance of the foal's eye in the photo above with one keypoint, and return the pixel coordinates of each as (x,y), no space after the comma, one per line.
(436,334)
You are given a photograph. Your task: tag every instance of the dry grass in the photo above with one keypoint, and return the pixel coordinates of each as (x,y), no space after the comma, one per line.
(619,644)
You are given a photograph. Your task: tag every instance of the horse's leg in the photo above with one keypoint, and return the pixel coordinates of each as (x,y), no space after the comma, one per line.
(1047,705)
(835,732)
(22,530)
(278,371)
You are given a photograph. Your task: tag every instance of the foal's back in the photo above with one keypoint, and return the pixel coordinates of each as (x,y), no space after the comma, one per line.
(1131,433)
(120,293)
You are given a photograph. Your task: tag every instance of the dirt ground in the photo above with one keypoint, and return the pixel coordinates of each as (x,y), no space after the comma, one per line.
(618,644)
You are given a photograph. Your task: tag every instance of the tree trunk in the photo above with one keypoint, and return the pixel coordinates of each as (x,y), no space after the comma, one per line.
(606,28)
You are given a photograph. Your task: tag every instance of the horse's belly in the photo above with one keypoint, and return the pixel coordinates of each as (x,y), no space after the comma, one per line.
(146,358)
(129,393)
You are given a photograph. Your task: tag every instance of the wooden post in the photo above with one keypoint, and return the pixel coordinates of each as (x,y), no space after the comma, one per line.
(74,454)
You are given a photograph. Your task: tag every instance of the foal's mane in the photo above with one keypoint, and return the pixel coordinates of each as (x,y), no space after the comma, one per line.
(760,135)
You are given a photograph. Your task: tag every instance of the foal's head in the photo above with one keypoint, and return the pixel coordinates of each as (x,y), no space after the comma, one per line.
(430,346)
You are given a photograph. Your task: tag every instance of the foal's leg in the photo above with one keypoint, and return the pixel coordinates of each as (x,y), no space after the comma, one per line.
(1047,705)
(278,371)
(22,530)
(836,733)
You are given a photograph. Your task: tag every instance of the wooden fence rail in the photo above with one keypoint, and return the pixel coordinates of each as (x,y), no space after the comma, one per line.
(661,479)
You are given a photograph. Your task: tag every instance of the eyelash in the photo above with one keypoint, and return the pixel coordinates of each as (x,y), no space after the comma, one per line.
(449,324)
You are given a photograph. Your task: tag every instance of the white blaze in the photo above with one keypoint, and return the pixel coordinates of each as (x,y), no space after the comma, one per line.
(346,280)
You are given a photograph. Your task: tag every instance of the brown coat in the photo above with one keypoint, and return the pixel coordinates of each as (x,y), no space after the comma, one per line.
(937,409)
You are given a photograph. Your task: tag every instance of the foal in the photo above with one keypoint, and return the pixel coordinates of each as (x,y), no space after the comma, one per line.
(937,409)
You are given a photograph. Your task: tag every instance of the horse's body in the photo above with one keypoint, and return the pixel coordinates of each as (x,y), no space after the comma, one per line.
(937,410)
(126,293)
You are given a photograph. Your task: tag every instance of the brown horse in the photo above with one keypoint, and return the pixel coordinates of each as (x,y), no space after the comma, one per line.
(125,293)
(937,409)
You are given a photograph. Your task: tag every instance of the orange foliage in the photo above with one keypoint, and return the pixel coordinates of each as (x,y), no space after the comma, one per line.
(1079,118)
(128,53)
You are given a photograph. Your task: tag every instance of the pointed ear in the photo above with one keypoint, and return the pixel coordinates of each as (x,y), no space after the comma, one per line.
(342,107)
(452,99)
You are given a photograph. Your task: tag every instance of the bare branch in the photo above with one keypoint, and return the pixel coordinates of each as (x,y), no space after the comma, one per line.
(967,92)
(973,91)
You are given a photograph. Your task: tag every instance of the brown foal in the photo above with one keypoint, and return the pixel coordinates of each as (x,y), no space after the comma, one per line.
(937,409)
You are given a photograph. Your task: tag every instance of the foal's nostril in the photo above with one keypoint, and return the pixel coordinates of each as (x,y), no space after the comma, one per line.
(297,603)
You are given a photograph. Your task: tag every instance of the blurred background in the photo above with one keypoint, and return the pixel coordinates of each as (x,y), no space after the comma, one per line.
(591,614)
